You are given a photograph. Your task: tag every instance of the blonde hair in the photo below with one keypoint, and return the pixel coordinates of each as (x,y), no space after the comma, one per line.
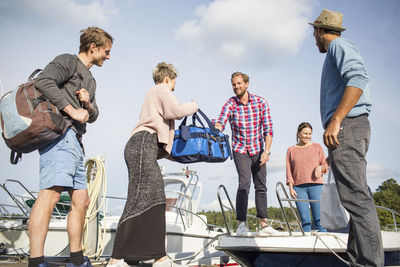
(163,70)
(245,77)
(93,35)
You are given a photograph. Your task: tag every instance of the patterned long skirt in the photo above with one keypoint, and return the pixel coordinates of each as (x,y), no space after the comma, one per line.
(141,228)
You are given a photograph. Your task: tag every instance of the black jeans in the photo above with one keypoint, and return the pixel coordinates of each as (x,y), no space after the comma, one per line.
(248,166)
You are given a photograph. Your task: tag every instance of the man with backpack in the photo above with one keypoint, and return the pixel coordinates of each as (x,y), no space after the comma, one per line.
(68,83)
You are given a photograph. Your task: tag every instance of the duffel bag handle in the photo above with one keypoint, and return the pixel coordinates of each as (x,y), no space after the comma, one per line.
(185,129)
(215,131)
(194,118)
(210,124)
(228,146)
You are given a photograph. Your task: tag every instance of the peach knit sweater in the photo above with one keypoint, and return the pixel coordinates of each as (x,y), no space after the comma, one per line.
(159,111)
(301,162)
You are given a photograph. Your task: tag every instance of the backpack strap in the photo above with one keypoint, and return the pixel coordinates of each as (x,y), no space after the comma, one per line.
(15,157)
(34,74)
(78,71)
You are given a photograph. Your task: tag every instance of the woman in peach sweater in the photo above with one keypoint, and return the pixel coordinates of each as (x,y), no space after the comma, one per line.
(305,166)
(141,228)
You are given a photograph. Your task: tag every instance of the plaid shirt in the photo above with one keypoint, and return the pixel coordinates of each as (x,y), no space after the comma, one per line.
(250,123)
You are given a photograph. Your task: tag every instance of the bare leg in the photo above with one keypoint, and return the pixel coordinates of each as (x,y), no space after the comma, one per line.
(113,261)
(263,222)
(40,218)
(76,218)
(161,259)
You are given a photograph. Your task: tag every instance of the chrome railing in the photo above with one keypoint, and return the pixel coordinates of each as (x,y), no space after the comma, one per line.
(279,185)
(394,214)
(227,226)
(289,200)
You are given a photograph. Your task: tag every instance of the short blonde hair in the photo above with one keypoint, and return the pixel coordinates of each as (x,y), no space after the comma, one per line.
(163,70)
(245,77)
(93,35)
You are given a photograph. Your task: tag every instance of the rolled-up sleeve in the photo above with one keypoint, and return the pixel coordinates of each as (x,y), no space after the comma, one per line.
(225,113)
(350,65)
(266,120)
(94,111)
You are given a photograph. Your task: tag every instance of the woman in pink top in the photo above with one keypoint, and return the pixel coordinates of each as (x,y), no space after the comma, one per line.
(141,228)
(305,166)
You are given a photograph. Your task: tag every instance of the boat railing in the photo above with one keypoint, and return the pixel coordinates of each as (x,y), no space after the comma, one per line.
(6,214)
(188,181)
(180,211)
(20,201)
(279,185)
(394,214)
(228,226)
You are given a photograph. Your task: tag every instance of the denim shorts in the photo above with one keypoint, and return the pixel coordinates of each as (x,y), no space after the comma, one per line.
(62,163)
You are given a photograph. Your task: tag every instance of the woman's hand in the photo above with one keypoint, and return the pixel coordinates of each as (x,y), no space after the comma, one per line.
(293,193)
(318,171)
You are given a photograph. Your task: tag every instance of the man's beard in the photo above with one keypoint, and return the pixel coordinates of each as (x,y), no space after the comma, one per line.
(320,44)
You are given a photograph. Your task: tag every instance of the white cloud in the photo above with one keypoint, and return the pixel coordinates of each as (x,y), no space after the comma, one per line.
(261,32)
(376,171)
(66,11)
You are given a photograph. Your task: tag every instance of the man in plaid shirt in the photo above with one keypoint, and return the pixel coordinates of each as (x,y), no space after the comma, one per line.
(252,133)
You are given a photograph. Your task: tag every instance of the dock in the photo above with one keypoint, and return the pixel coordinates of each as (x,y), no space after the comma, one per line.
(16,262)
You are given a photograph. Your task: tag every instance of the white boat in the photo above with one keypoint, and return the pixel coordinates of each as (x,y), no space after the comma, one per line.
(189,239)
(297,248)
(315,249)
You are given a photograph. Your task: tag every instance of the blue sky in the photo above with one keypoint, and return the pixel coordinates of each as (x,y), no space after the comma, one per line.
(206,41)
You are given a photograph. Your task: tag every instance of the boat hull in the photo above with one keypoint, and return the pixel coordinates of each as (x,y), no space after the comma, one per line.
(298,250)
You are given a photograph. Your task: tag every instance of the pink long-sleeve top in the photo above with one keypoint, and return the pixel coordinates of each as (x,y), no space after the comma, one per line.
(159,111)
(301,162)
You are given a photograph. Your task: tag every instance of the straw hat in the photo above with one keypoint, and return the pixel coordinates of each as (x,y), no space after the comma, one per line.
(329,20)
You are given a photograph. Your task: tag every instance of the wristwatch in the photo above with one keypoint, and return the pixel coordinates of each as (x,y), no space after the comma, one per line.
(268,152)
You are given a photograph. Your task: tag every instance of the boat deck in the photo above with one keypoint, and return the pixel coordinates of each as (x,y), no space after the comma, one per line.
(98,263)
(24,263)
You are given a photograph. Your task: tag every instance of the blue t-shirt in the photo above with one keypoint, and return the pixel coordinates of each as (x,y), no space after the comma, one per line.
(343,67)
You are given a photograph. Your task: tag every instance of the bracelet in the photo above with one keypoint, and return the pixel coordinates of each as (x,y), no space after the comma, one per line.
(268,152)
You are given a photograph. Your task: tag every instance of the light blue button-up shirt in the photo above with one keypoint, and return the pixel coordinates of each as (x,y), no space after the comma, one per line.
(343,67)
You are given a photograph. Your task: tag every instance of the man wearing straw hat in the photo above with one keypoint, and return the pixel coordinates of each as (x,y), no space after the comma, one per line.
(345,105)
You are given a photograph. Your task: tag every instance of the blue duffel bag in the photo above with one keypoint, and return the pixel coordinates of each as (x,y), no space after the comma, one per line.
(200,144)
